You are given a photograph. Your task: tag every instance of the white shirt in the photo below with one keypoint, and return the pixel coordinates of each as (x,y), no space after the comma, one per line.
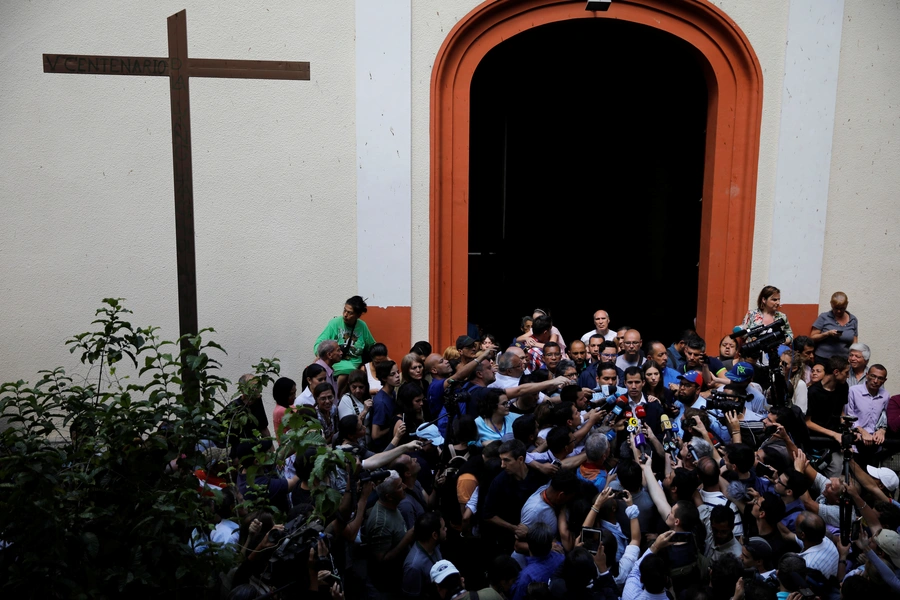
(711,500)
(502,381)
(623,363)
(823,558)
(586,338)
(634,589)
(305,398)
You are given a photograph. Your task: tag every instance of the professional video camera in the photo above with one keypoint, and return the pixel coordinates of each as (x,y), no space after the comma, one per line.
(377,476)
(763,338)
(298,536)
(766,339)
(455,394)
(725,402)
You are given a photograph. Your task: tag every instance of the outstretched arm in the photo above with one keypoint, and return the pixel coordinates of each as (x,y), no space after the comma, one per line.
(533,388)
(388,456)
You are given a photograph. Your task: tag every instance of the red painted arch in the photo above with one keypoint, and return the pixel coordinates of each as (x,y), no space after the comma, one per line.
(734,83)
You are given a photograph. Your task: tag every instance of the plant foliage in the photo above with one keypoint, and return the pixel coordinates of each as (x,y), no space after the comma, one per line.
(89,508)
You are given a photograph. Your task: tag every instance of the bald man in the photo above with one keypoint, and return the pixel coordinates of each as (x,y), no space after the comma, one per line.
(601,327)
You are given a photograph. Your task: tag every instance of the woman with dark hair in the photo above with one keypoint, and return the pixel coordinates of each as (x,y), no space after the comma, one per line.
(352,334)
(767,312)
(312,376)
(653,383)
(495,422)
(410,399)
(384,407)
(356,401)
(327,415)
(378,353)
(284,393)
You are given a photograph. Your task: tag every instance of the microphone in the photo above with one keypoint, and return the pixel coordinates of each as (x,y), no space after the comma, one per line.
(754,331)
(668,433)
(640,412)
(665,423)
(620,407)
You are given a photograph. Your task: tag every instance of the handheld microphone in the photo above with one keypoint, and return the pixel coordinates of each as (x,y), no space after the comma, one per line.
(754,331)
(665,423)
(617,410)
(640,412)
(668,435)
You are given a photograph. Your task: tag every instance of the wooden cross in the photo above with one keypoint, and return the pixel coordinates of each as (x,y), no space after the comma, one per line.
(179,68)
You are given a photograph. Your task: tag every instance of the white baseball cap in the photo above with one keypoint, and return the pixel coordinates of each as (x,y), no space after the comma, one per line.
(886,476)
(441,570)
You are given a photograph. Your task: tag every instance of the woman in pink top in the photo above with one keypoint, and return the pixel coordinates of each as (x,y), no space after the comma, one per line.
(284,392)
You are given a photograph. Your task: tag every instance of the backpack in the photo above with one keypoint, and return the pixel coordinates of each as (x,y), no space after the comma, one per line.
(445,479)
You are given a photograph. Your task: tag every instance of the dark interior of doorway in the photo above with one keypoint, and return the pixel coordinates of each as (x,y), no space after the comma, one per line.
(586,174)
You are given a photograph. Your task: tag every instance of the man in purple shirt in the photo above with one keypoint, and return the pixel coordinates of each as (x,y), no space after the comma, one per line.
(329,353)
(867,402)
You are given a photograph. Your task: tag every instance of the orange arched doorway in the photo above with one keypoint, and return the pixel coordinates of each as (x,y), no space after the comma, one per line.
(734,83)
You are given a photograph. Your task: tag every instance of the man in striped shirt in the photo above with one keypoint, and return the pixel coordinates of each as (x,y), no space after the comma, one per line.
(819,552)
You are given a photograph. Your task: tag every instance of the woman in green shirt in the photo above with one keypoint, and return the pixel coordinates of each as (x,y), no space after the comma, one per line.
(352,334)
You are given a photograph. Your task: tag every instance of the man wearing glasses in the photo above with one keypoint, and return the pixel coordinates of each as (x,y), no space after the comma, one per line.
(867,402)
(607,354)
(631,355)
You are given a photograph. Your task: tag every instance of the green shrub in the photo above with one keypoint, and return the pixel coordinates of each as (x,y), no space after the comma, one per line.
(88,508)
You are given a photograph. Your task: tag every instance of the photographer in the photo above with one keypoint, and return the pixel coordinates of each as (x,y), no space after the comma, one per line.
(741,377)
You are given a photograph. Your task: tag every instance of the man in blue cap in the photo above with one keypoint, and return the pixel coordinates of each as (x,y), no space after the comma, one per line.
(741,376)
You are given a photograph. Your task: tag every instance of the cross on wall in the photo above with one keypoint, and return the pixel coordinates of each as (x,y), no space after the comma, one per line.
(179,68)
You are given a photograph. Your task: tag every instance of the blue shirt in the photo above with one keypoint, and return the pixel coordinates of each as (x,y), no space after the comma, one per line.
(676,359)
(794,509)
(384,411)
(536,569)
(486,433)
(435,396)
(670,375)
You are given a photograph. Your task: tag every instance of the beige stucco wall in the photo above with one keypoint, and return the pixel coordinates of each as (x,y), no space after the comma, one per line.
(862,247)
(86,183)
(86,178)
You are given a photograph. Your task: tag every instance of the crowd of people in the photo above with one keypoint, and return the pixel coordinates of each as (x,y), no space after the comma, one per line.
(609,466)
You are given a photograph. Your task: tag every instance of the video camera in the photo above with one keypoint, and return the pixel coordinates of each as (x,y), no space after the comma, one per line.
(734,402)
(376,476)
(765,338)
(455,394)
(298,536)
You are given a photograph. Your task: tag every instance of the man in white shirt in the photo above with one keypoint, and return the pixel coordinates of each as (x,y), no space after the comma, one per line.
(631,350)
(511,367)
(819,552)
(601,327)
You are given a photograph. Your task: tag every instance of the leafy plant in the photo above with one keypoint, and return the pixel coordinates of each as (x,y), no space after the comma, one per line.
(99,497)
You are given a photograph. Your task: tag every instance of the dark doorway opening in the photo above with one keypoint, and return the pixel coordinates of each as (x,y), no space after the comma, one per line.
(586,174)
